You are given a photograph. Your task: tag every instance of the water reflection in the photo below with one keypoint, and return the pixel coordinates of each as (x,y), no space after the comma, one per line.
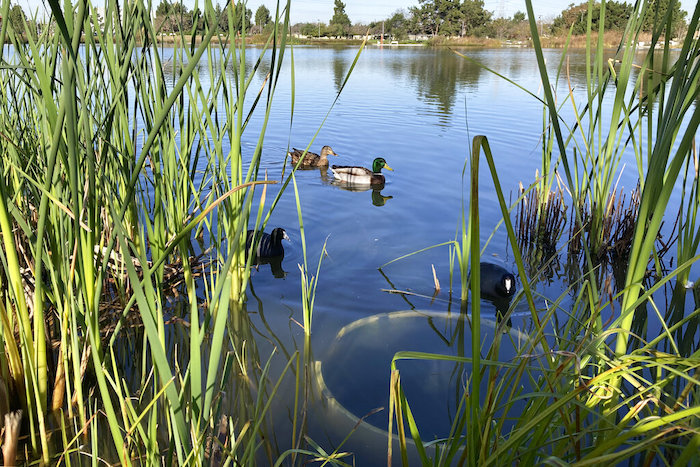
(339,68)
(439,76)
(355,370)
(378,199)
(275,263)
(322,173)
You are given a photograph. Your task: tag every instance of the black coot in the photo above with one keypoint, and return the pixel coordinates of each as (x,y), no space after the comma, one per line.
(270,245)
(496,281)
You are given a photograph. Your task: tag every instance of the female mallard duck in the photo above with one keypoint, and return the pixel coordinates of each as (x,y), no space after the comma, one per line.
(312,159)
(270,245)
(361,175)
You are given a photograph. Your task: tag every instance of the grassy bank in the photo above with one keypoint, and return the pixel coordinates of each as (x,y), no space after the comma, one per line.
(255,39)
(110,171)
(611,40)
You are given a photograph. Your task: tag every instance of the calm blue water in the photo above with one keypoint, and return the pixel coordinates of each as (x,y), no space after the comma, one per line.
(418,108)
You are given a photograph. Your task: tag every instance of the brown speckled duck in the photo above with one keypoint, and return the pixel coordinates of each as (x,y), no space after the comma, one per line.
(311,159)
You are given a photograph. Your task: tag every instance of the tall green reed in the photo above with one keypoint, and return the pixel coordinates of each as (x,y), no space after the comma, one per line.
(308,284)
(546,404)
(127,155)
(100,191)
(663,109)
(586,401)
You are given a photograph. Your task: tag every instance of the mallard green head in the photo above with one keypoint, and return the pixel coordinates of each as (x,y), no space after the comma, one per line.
(378,164)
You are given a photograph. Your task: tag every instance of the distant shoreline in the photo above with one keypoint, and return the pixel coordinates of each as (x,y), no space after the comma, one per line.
(610,40)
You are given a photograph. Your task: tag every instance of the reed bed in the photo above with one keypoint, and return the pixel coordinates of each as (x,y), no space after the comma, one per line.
(116,159)
(598,385)
(540,221)
(617,227)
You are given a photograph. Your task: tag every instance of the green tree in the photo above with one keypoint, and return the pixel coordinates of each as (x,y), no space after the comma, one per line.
(17,18)
(241,13)
(433,16)
(475,17)
(510,29)
(221,18)
(163,8)
(340,23)
(162,21)
(262,17)
(397,25)
(449,17)
(656,14)
(576,17)
(313,29)
(173,17)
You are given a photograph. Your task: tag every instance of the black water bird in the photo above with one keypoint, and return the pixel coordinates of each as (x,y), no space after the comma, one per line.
(269,246)
(496,282)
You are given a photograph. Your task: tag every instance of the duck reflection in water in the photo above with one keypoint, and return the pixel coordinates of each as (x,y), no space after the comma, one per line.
(356,178)
(268,249)
(378,199)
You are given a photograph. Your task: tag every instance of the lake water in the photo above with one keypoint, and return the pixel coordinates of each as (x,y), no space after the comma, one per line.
(418,108)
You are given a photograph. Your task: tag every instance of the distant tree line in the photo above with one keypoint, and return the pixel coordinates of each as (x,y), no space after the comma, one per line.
(470,18)
(429,17)
(175,17)
(616,16)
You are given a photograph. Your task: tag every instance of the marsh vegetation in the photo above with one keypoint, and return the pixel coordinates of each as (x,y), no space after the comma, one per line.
(137,328)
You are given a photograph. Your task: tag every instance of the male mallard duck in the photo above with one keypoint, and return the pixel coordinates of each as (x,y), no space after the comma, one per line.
(312,159)
(361,175)
(270,245)
(496,281)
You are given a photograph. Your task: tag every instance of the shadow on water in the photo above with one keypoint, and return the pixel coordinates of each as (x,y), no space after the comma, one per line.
(378,199)
(343,399)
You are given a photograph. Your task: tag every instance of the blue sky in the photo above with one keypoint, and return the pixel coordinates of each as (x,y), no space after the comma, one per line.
(364,11)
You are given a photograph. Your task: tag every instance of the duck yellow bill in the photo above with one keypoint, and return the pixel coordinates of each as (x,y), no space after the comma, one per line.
(386,166)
